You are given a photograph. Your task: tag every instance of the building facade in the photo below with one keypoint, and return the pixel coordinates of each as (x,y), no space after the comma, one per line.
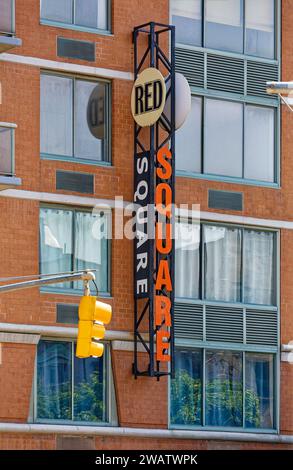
(233,322)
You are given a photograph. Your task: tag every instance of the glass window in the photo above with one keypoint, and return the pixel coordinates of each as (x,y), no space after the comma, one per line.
(238,264)
(259,145)
(223,138)
(224,25)
(223,392)
(259,267)
(6,151)
(222,261)
(186,388)
(6,10)
(260,19)
(187,17)
(64,118)
(69,388)
(86,13)
(188,139)
(72,240)
(56,115)
(259,390)
(187,260)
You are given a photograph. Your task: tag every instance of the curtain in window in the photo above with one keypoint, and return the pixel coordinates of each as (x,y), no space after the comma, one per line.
(91,13)
(91,246)
(260,37)
(223,138)
(259,145)
(258,271)
(186,388)
(57,10)
(56,242)
(222,261)
(188,140)
(56,115)
(259,393)
(187,17)
(54,380)
(85,144)
(187,260)
(89,390)
(223,388)
(6,16)
(224,25)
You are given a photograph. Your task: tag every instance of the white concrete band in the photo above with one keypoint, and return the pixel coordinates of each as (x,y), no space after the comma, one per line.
(66,67)
(139,433)
(19,338)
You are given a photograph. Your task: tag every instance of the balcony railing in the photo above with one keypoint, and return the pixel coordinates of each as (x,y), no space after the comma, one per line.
(7,17)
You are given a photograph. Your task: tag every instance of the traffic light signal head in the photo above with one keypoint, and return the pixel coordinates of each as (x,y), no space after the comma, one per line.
(92,315)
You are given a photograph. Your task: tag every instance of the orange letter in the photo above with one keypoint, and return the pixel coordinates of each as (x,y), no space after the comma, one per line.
(162,154)
(163,307)
(163,276)
(163,346)
(159,238)
(164,187)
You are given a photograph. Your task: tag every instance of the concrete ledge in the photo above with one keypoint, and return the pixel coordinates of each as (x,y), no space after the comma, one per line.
(19,338)
(107,431)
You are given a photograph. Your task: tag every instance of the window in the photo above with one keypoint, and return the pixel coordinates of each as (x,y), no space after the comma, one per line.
(6,16)
(209,389)
(72,239)
(64,126)
(69,388)
(6,151)
(239,140)
(225,263)
(90,14)
(240,26)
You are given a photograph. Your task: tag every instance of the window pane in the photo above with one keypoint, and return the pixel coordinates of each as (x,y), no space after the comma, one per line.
(223,138)
(57,10)
(223,388)
(91,246)
(224,25)
(260,34)
(222,261)
(54,380)
(86,145)
(6,16)
(91,13)
(186,388)
(259,270)
(56,115)
(187,260)
(259,393)
(56,242)
(89,389)
(259,144)
(187,17)
(188,140)
(5,151)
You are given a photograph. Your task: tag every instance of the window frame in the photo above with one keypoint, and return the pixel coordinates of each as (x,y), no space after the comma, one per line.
(205,95)
(277,35)
(85,29)
(235,348)
(242,227)
(110,399)
(12,128)
(12,31)
(108,124)
(72,290)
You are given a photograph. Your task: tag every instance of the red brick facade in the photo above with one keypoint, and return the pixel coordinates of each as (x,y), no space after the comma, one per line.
(141,403)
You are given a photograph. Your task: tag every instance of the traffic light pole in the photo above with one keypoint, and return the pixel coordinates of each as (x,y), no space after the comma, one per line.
(85,276)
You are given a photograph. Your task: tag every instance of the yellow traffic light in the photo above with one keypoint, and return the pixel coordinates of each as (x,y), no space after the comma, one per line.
(92,315)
